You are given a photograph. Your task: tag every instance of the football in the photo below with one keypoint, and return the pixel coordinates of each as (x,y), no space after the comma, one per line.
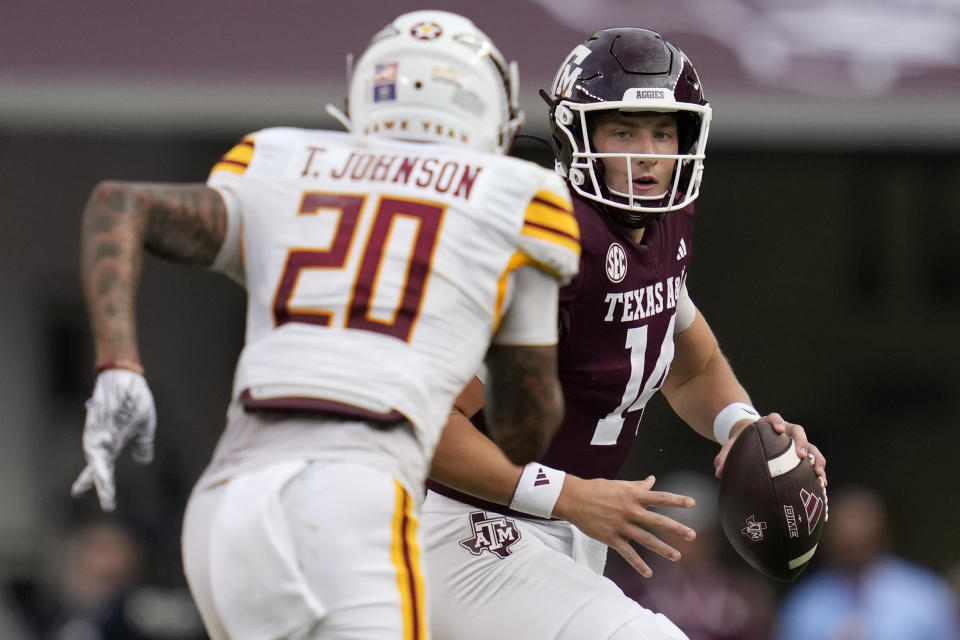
(772,506)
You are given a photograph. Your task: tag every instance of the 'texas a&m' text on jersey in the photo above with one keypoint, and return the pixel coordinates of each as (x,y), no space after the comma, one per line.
(618,318)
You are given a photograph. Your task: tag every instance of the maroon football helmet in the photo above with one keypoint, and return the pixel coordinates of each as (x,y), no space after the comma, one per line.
(632,70)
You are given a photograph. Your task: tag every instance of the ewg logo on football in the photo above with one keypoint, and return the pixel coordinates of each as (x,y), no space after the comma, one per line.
(616,263)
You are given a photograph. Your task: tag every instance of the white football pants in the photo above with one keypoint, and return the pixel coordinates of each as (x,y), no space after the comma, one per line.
(496,577)
(306,550)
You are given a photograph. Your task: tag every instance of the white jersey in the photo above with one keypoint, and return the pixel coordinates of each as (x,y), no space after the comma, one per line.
(378,271)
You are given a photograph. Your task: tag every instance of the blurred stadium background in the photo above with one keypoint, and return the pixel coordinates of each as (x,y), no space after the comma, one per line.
(826,247)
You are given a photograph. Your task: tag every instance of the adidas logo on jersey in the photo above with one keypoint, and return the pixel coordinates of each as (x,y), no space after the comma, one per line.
(682,250)
(541,478)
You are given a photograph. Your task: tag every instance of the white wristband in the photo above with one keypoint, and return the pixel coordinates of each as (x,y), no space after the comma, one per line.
(729,416)
(538,490)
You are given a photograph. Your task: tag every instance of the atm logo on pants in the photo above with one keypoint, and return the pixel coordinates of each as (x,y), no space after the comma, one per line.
(494,534)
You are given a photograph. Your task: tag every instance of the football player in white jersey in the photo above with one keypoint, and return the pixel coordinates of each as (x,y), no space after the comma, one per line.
(382,267)
(518,551)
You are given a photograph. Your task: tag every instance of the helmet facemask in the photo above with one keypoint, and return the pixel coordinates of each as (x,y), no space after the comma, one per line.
(629,70)
(586,172)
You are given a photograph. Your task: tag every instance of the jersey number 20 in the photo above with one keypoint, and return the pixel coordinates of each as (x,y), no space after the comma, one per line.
(388,214)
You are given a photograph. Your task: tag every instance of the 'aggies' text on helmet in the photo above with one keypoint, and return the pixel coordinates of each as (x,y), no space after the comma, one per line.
(433,76)
(631,70)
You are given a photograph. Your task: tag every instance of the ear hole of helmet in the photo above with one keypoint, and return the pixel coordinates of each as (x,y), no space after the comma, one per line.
(564,115)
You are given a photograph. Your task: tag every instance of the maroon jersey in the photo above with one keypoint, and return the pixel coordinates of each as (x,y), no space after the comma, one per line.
(616,339)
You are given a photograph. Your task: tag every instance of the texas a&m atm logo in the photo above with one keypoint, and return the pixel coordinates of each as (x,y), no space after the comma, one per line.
(569,73)
(754,529)
(496,535)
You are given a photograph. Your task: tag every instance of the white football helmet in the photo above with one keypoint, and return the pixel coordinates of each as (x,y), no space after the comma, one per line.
(433,76)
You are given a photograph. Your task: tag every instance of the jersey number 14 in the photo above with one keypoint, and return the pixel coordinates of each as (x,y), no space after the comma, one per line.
(638,392)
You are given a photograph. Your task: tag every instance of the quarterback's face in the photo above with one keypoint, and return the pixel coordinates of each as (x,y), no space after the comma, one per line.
(643,132)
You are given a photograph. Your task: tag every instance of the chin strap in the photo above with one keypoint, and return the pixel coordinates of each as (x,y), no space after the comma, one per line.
(339,116)
(334,111)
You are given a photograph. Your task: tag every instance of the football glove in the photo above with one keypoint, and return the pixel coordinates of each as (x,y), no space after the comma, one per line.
(120,411)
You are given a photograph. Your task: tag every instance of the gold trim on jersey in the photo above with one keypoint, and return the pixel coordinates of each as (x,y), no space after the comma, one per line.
(553,237)
(335,255)
(554,199)
(517,260)
(237,159)
(387,209)
(411,252)
(405,553)
(548,217)
(545,214)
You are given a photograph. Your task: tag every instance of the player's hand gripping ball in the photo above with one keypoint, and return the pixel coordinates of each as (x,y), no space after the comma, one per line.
(773,507)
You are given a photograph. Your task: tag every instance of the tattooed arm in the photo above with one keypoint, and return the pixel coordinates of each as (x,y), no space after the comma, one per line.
(524,407)
(524,404)
(183,223)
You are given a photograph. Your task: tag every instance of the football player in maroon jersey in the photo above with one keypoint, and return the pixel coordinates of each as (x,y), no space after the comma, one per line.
(519,551)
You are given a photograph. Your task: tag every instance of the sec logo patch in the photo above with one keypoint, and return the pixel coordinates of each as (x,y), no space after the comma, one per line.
(616,263)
